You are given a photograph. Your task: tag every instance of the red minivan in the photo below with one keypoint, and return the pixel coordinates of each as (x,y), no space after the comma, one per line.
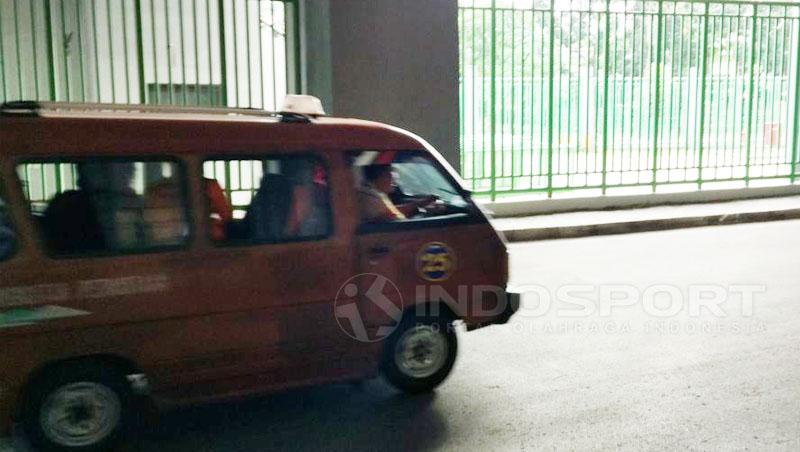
(180,255)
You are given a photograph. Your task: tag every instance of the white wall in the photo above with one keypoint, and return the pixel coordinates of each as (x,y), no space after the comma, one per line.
(95,49)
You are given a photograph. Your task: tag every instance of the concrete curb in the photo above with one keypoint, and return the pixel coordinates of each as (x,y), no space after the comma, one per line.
(522,208)
(660,224)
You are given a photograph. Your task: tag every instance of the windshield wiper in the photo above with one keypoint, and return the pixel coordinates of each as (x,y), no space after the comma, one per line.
(448,191)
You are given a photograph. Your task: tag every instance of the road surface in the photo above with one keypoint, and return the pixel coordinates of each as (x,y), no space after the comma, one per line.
(724,377)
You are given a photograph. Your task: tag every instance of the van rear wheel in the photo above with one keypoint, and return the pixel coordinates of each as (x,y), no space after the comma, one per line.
(420,354)
(78,408)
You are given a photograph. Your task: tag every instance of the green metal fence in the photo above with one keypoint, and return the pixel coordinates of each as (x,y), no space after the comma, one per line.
(237,53)
(607,95)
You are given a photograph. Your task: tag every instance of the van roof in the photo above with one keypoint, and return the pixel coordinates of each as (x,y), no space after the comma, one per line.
(42,128)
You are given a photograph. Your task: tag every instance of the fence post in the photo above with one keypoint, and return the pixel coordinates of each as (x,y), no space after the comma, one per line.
(796,136)
(703,70)
(293,67)
(223,54)
(96,49)
(550,123)
(3,87)
(493,109)
(35,54)
(81,58)
(140,54)
(126,54)
(51,57)
(750,96)
(656,103)
(605,95)
(111,52)
(20,94)
(67,93)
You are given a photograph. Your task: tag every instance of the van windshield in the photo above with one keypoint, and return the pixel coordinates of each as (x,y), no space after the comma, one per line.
(400,185)
(415,175)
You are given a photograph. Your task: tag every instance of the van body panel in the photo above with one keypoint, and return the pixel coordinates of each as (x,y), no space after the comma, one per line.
(41,137)
(472,251)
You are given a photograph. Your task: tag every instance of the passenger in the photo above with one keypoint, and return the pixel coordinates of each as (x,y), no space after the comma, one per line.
(70,223)
(308,216)
(104,213)
(220,209)
(164,214)
(266,217)
(376,207)
(7,238)
(118,206)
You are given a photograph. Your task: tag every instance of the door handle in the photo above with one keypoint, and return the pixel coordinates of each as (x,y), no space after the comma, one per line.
(379,250)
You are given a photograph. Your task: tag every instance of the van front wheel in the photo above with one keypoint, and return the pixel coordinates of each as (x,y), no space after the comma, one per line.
(78,408)
(420,354)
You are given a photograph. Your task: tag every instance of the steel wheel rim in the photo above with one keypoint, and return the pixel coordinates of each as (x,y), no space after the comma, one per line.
(421,351)
(80,414)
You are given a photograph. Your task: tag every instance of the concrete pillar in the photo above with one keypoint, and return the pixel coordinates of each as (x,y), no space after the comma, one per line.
(315,51)
(394,61)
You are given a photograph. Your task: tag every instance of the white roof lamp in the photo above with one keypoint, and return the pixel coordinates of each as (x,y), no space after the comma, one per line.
(303,105)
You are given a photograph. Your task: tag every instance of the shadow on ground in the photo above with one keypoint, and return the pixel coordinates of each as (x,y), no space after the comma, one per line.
(368,416)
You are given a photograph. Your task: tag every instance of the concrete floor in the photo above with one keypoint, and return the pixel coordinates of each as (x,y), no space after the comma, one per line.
(629,380)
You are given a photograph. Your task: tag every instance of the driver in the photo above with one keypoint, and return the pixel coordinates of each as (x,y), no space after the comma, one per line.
(376,207)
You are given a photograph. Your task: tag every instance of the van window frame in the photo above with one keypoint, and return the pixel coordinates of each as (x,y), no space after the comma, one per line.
(255,156)
(186,191)
(411,224)
(5,211)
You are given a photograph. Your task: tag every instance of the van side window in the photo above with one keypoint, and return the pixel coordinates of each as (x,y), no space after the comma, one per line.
(276,199)
(107,205)
(8,239)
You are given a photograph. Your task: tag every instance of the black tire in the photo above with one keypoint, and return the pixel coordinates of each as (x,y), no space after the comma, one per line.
(105,379)
(415,384)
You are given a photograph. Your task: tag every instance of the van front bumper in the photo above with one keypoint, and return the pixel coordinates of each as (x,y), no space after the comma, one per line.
(6,418)
(511,306)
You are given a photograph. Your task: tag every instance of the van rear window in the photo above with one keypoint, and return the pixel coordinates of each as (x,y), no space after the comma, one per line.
(107,205)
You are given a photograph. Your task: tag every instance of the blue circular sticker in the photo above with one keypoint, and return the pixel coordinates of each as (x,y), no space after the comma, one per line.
(435,262)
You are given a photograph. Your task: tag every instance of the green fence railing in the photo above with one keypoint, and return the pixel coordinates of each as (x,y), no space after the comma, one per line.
(237,53)
(614,95)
